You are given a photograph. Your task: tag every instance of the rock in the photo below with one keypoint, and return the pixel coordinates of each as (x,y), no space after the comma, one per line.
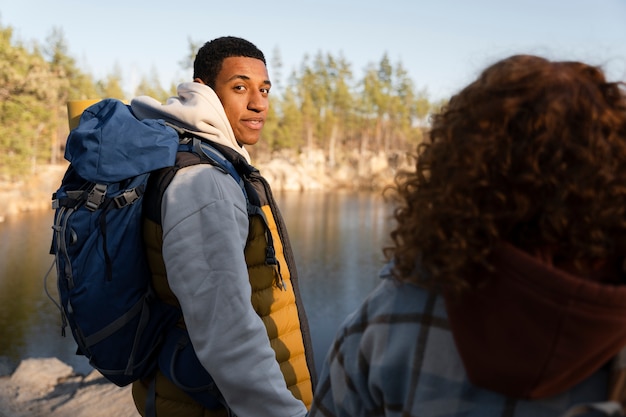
(48,387)
(32,192)
(37,377)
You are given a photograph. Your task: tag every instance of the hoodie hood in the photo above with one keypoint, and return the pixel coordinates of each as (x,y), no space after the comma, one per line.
(534,331)
(196,109)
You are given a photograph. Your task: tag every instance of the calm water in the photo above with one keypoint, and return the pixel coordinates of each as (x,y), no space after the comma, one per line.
(337,240)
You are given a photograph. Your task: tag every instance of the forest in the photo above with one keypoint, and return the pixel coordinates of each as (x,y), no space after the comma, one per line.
(322,107)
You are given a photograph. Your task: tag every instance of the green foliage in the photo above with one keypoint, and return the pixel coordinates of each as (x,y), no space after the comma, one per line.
(151,86)
(28,87)
(111,86)
(323,105)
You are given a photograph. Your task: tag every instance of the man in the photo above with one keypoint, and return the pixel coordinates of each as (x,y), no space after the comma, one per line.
(244,315)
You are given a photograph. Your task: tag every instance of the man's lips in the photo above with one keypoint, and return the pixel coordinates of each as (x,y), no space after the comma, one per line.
(253,123)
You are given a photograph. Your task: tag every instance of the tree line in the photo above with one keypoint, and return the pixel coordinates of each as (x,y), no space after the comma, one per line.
(322,106)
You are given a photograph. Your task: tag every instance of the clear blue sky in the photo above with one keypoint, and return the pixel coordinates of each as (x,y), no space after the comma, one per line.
(442,43)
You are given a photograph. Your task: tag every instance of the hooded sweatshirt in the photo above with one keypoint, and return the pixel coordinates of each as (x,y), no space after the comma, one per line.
(196,109)
(205,227)
(533,330)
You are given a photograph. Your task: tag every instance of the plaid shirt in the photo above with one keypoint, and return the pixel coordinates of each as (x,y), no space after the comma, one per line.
(395,356)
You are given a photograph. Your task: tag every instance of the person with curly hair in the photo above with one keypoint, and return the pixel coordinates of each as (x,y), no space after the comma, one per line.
(503,295)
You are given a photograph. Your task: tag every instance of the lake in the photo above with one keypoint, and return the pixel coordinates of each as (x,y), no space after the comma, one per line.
(337,240)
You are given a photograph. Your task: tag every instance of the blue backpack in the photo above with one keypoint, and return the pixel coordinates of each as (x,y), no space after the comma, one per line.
(104,280)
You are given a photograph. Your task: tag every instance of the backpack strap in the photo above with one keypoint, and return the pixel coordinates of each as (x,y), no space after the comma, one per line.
(195,150)
(218,160)
(234,162)
(150,410)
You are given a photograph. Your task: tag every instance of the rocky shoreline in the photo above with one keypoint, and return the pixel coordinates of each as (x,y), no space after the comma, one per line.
(32,192)
(47,387)
(284,171)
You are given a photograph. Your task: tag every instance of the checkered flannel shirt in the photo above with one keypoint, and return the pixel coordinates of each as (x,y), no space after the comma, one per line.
(395,356)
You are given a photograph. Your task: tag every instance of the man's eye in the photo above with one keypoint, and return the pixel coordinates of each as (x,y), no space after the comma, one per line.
(265,90)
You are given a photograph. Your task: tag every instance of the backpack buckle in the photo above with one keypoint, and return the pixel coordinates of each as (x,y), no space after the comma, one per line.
(96,197)
(127,197)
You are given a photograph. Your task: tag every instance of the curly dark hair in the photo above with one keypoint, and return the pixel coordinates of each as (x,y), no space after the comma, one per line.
(532,153)
(208,62)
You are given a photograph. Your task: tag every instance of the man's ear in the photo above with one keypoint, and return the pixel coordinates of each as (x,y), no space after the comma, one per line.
(198,80)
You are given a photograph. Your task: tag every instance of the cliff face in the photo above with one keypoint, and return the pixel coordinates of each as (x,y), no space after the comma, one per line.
(32,192)
(284,171)
(50,388)
(311,171)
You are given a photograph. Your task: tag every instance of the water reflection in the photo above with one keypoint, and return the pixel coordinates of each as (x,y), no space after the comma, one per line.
(337,240)
(29,321)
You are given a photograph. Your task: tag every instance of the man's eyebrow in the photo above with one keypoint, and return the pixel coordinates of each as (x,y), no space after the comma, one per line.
(246,78)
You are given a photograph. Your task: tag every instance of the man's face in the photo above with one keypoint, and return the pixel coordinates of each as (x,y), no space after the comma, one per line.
(243,86)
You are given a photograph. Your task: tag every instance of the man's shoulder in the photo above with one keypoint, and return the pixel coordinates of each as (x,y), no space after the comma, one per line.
(204,176)
(197,186)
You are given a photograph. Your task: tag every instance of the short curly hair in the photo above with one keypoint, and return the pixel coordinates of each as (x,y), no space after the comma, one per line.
(533,152)
(211,55)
